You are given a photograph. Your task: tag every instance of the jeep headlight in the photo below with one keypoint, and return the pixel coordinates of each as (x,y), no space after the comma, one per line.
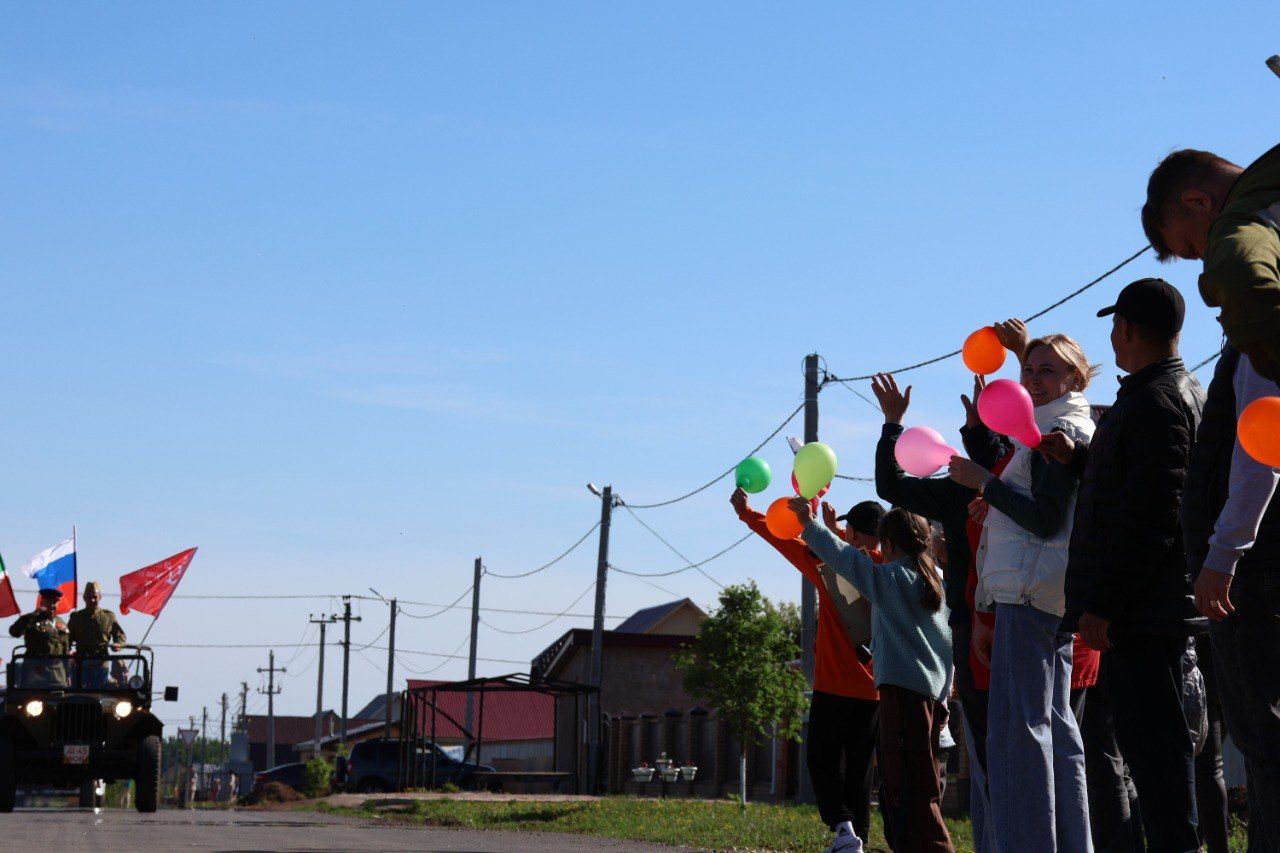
(34,708)
(122,709)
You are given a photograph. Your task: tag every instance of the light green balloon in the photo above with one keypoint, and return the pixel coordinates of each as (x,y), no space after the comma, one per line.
(753,475)
(815,467)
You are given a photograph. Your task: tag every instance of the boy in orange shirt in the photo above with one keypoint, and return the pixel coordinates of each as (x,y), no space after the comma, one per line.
(844,713)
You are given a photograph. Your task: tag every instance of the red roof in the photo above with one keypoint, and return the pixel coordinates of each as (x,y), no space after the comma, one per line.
(508,714)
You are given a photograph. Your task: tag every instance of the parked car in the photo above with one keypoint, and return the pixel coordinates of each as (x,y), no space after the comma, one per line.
(374,765)
(289,774)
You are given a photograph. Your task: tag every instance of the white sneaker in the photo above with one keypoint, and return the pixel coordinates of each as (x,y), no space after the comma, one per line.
(846,840)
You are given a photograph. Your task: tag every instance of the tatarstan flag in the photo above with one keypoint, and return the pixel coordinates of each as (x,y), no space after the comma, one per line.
(8,604)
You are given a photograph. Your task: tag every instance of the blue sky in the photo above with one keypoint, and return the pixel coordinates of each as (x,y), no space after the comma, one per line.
(347,295)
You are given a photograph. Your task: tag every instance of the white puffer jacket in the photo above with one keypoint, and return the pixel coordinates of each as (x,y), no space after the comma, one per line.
(1014,565)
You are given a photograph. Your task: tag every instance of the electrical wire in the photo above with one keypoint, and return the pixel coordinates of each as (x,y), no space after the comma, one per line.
(558,616)
(714,556)
(673,548)
(545,566)
(372,663)
(439,612)
(1037,315)
(336,644)
(1207,361)
(720,477)
(369,644)
(429,670)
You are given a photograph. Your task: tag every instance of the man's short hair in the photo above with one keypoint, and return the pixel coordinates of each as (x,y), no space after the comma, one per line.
(1176,173)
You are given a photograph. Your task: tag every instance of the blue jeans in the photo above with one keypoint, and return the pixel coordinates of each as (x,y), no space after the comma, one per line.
(1035,758)
(1246,661)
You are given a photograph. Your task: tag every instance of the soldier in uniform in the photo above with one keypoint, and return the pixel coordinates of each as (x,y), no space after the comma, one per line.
(45,636)
(96,633)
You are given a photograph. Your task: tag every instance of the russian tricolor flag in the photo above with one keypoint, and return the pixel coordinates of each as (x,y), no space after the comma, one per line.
(55,568)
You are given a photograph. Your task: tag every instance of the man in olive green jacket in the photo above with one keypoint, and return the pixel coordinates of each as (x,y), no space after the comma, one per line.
(45,636)
(96,633)
(1202,207)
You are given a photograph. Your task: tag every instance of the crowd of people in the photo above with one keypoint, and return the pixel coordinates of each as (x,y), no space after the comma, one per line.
(1105,607)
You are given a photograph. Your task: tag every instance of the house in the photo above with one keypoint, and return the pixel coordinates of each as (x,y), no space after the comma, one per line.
(290,731)
(369,722)
(639,675)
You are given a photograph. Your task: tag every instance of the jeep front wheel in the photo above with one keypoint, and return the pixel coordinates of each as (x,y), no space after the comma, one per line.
(8,774)
(146,779)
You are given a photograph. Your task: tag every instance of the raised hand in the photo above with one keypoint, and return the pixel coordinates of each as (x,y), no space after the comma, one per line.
(893,402)
(971,418)
(829,519)
(1013,335)
(739,500)
(802,509)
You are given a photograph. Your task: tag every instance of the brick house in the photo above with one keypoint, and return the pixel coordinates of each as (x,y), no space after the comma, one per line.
(290,731)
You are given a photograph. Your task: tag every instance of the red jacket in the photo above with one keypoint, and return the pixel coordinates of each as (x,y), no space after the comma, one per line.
(836,668)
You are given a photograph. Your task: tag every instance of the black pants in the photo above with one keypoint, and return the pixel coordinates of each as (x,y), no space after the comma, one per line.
(1114,821)
(1211,788)
(1144,681)
(842,729)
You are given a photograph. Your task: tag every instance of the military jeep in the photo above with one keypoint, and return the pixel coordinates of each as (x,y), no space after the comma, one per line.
(70,720)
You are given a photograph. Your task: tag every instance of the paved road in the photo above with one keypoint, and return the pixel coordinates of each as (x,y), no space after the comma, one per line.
(115,829)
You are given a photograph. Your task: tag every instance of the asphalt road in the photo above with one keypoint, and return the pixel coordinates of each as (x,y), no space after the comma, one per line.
(117,829)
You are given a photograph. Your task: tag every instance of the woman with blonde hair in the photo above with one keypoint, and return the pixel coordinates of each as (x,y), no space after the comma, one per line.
(1035,757)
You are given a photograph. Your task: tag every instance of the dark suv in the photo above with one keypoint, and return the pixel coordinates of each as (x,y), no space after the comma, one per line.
(70,720)
(374,765)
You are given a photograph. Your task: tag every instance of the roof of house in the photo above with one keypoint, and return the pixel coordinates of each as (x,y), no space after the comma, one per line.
(646,619)
(548,663)
(377,708)
(290,729)
(508,714)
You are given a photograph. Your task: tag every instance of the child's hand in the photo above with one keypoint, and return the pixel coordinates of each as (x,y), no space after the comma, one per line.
(802,509)
(893,402)
(829,519)
(738,500)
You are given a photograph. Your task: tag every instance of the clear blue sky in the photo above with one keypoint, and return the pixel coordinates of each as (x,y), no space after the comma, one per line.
(347,295)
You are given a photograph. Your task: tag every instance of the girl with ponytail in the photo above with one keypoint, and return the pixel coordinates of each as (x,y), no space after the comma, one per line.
(911,644)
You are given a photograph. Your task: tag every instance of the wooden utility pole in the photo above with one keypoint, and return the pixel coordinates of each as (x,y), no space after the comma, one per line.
(808,614)
(391,669)
(471,656)
(323,622)
(347,619)
(597,641)
(271,692)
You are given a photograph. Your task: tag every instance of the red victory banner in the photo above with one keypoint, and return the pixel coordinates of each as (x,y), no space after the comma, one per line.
(148,589)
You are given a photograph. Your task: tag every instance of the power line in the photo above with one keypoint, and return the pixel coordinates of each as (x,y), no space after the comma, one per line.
(721,476)
(714,556)
(558,616)
(429,670)
(334,643)
(1072,295)
(1208,360)
(673,548)
(442,610)
(545,566)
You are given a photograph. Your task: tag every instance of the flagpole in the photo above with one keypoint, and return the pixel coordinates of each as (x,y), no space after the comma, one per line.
(75,567)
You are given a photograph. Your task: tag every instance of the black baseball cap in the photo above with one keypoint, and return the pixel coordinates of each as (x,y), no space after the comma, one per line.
(864,517)
(1151,302)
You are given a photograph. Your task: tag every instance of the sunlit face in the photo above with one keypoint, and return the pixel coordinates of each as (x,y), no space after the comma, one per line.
(1047,375)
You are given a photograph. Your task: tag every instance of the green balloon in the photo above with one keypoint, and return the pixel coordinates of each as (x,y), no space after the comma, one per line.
(753,475)
(815,467)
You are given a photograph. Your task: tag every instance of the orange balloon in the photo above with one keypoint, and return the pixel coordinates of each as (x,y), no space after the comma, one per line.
(1259,430)
(982,352)
(781,521)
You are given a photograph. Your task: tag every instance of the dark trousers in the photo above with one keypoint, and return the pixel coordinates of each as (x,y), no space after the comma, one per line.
(1114,821)
(1246,662)
(909,727)
(1144,681)
(1211,788)
(842,730)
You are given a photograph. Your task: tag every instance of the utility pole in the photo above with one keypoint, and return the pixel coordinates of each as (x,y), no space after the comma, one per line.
(244,706)
(347,619)
(323,622)
(204,749)
(271,692)
(597,641)
(191,755)
(223,738)
(808,615)
(475,633)
(391,669)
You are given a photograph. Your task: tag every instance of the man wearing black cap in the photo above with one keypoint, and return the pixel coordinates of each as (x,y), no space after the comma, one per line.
(1128,587)
(45,636)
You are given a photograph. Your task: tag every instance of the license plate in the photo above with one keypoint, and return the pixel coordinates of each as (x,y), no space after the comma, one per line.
(75,753)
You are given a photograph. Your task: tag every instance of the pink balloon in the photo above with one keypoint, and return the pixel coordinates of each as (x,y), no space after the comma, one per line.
(921,451)
(1005,407)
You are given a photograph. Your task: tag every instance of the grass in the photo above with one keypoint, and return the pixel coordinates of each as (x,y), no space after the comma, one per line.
(704,824)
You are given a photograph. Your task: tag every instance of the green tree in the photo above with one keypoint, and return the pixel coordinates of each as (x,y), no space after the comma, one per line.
(740,664)
(316,776)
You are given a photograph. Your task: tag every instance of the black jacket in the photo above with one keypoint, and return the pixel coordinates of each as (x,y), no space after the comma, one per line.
(1126,561)
(941,500)
(1210,476)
